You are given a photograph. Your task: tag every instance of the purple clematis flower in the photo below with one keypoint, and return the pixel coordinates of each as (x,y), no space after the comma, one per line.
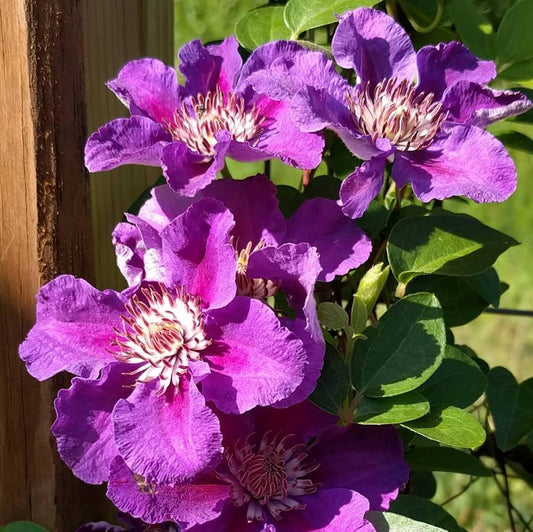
(272,254)
(150,358)
(290,470)
(189,130)
(430,131)
(130,525)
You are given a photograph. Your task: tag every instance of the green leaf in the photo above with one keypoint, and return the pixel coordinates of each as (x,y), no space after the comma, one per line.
(403,350)
(22,526)
(390,522)
(334,382)
(462,298)
(343,161)
(521,71)
(332,316)
(302,15)
(445,243)
(262,25)
(475,30)
(135,207)
(374,219)
(457,382)
(517,141)
(390,410)
(372,284)
(510,404)
(323,186)
(452,426)
(425,511)
(445,459)
(423,484)
(514,41)
(359,315)
(289,200)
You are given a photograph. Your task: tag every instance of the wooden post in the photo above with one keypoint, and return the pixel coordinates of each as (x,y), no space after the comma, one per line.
(117,31)
(45,221)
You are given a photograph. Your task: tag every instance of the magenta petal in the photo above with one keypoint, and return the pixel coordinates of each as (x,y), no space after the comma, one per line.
(373,44)
(167,439)
(148,86)
(254,204)
(197,252)
(254,360)
(228,51)
(366,459)
(129,249)
(74,329)
(84,425)
(135,140)
(441,66)
(339,242)
(186,171)
(327,510)
(472,104)
(287,142)
(362,186)
(452,166)
(189,504)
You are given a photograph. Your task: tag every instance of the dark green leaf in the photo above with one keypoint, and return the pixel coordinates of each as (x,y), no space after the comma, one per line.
(302,15)
(390,410)
(390,522)
(510,405)
(517,141)
(462,298)
(262,25)
(423,484)
(22,526)
(323,186)
(289,200)
(445,459)
(457,382)
(332,315)
(333,384)
(474,29)
(518,72)
(514,41)
(374,219)
(452,426)
(425,511)
(403,350)
(447,244)
(342,159)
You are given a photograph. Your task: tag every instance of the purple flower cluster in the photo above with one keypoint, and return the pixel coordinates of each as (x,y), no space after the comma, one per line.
(190,387)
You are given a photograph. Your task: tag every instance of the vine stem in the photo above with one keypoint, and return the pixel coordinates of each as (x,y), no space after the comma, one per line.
(463,490)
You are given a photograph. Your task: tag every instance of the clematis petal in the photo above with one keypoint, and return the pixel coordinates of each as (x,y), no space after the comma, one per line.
(443,65)
(135,140)
(129,249)
(197,253)
(188,172)
(206,67)
(190,504)
(474,105)
(366,459)
(374,45)
(167,439)
(362,186)
(73,330)
(148,87)
(327,510)
(253,203)
(284,140)
(254,360)
(340,243)
(463,161)
(84,425)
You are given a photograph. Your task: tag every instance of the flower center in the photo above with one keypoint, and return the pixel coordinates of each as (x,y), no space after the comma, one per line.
(268,476)
(162,331)
(198,120)
(395,111)
(257,288)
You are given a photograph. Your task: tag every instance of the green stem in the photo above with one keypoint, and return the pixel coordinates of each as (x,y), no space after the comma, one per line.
(434,24)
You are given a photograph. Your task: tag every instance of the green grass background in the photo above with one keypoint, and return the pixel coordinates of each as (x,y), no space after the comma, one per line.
(500,340)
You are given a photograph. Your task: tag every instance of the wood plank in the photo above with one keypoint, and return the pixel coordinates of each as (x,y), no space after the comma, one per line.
(117,31)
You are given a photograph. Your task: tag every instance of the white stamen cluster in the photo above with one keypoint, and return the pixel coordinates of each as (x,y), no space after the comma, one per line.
(198,120)
(162,331)
(258,288)
(395,111)
(268,476)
